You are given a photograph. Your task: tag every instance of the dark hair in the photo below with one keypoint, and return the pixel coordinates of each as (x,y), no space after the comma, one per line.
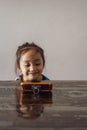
(26,47)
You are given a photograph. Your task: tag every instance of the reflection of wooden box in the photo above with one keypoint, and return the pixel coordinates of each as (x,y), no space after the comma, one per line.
(36,87)
(27,98)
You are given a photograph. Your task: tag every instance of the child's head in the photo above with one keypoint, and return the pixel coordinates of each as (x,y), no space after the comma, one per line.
(30,61)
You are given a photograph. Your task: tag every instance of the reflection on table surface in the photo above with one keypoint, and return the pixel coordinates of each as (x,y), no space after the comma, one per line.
(64,109)
(31,105)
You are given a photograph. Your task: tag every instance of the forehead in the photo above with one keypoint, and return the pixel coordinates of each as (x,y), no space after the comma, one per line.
(30,55)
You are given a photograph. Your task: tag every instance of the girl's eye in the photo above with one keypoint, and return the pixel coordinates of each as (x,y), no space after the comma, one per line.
(27,65)
(37,64)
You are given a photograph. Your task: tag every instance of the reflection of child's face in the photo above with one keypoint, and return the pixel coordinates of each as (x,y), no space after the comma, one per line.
(31,65)
(31,111)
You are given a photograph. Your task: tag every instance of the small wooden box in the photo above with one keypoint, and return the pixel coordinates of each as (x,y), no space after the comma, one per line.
(36,87)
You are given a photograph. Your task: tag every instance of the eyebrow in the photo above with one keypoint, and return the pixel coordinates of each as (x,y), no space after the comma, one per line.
(31,60)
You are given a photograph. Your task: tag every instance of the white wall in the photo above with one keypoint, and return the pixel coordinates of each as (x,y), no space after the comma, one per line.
(59,26)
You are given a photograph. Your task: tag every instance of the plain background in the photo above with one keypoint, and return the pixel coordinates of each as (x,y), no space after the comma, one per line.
(58,26)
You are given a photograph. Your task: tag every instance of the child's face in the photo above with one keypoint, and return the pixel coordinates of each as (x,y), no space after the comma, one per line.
(31,65)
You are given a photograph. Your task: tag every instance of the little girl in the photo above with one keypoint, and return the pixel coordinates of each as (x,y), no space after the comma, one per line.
(30,62)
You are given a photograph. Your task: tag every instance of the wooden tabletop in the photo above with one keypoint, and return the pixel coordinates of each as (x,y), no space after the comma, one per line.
(63,109)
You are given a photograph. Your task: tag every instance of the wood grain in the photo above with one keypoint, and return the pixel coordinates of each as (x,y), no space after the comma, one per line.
(67,111)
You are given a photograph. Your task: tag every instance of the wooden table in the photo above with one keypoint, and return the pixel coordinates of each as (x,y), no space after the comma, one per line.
(66,109)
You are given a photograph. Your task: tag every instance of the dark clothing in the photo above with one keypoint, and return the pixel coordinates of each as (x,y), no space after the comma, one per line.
(20,77)
(45,78)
